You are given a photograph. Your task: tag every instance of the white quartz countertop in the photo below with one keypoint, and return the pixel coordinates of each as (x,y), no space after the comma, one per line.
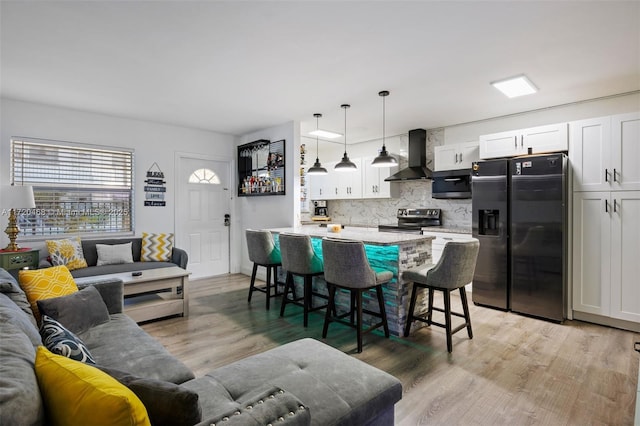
(366,235)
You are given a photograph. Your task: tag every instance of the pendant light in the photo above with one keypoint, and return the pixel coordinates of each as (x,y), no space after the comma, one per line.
(317,168)
(384,159)
(345,165)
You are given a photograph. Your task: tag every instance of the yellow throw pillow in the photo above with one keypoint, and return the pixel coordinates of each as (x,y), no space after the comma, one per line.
(67,252)
(46,283)
(77,393)
(156,247)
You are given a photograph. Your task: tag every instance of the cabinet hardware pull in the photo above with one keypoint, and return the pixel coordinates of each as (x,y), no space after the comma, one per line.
(515,141)
(615,205)
(606,206)
(455,156)
(614,175)
(521,141)
(606,175)
(461,157)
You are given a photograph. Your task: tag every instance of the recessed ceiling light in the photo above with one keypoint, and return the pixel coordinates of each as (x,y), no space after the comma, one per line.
(325,134)
(515,86)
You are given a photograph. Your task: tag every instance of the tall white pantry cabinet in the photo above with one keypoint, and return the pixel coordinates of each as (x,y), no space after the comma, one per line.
(605,157)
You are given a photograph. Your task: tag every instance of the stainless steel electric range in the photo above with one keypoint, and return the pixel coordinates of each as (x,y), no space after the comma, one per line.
(411,221)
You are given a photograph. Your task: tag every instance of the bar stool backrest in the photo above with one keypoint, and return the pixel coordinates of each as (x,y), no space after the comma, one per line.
(262,248)
(298,255)
(456,266)
(346,264)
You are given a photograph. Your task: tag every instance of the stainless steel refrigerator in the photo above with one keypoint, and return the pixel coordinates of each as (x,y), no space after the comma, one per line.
(520,218)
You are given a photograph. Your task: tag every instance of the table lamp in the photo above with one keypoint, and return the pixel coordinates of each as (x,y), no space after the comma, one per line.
(16,197)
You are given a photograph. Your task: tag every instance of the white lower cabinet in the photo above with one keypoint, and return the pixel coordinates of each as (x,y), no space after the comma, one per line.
(606,254)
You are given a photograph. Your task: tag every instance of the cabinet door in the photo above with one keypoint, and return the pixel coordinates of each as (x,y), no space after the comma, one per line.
(373,184)
(319,185)
(445,157)
(498,145)
(591,252)
(348,185)
(625,246)
(468,153)
(625,155)
(590,153)
(554,137)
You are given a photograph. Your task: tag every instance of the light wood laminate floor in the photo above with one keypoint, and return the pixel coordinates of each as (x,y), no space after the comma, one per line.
(516,371)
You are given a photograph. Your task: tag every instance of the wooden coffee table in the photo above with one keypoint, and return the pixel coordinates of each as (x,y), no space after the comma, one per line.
(157,293)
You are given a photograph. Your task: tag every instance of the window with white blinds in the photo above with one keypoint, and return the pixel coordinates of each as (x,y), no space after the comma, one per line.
(78,189)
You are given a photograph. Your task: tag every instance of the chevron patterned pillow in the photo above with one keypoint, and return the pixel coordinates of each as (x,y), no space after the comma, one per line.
(156,247)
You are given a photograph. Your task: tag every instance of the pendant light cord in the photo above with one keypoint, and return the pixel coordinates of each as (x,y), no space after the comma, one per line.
(384,120)
(345,129)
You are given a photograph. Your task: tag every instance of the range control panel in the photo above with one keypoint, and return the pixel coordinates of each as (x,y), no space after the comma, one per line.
(419,213)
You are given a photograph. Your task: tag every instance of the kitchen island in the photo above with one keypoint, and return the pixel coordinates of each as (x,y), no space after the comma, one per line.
(389,251)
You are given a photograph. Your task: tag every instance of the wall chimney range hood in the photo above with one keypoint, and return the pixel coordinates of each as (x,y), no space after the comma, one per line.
(417,159)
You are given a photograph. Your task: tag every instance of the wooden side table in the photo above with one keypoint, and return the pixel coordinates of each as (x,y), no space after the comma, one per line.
(20,259)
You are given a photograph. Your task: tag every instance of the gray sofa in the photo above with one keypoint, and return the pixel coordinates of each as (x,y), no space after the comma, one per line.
(179,258)
(299,383)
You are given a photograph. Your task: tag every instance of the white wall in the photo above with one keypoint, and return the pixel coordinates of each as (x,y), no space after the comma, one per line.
(152,142)
(276,211)
(577,111)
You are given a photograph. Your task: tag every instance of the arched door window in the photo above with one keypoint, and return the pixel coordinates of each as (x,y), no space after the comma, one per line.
(206,176)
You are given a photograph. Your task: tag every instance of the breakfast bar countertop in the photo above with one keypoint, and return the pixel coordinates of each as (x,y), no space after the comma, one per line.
(366,235)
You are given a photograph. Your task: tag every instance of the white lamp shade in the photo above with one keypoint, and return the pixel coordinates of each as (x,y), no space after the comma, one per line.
(18,197)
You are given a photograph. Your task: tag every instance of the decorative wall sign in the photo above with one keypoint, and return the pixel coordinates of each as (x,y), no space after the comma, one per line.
(154,188)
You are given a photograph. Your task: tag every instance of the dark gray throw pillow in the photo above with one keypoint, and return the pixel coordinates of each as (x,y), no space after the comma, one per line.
(166,403)
(79,311)
(61,341)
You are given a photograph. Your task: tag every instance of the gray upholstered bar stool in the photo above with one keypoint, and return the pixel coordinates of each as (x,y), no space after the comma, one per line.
(453,271)
(299,258)
(346,266)
(263,252)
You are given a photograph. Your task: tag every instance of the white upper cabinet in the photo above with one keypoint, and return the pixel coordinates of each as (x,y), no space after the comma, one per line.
(456,156)
(373,179)
(551,138)
(605,153)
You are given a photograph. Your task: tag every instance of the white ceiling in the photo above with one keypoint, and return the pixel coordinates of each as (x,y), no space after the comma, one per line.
(239,66)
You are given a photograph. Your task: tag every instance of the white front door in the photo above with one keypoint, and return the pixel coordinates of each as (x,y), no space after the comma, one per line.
(203,199)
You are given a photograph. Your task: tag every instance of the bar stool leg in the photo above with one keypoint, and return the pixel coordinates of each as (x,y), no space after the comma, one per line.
(308,289)
(447,318)
(430,311)
(465,307)
(253,281)
(332,305)
(288,285)
(383,312)
(359,319)
(412,307)
(268,288)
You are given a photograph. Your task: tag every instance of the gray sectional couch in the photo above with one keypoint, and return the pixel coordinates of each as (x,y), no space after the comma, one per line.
(299,383)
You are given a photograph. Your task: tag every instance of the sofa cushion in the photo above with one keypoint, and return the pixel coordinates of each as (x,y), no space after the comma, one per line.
(156,247)
(114,254)
(167,404)
(78,311)
(20,401)
(10,287)
(77,393)
(93,271)
(10,313)
(120,343)
(61,341)
(66,252)
(46,283)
